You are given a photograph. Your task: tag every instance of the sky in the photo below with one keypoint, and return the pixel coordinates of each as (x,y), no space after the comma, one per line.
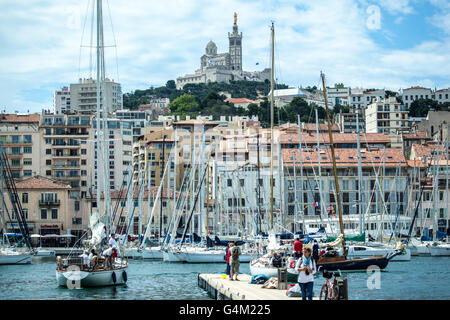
(44,44)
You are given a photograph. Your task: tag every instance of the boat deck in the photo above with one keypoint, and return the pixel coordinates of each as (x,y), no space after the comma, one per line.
(225,289)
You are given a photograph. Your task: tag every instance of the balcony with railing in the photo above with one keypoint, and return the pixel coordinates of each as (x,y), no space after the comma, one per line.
(49,202)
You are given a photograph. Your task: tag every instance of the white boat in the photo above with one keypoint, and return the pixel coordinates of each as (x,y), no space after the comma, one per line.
(172,256)
(132,253)
(366,251)
(439,250)
(40,252)
(153,253)
(211,256)
(11,256)
(113,277)
(421,247)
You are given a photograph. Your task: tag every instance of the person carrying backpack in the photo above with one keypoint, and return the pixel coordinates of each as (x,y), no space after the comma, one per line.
(234,261)
(315,251)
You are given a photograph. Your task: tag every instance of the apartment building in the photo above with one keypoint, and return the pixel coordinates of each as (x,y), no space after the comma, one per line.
(386,116)
(83,96)
(66,150)
(442,96)
(338,95)
(61,101)
(49,210)
(119,144)
(22,140)
(347,122)
(361,98)
(409,95)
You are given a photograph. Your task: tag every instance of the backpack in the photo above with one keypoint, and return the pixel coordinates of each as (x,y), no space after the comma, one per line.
(235,253)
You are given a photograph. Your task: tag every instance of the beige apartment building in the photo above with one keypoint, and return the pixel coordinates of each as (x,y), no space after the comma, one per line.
(48,209)
(66,151)
(22,141)
(387,116)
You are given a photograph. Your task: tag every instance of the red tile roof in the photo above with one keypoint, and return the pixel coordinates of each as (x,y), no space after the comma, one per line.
(20,118)
(428,150)
(240,100)
(346,157)
(322,127)
(415,136)
(338,138)
(38,182)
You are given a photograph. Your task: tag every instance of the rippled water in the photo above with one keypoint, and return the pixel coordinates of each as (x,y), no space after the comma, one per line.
(421,278)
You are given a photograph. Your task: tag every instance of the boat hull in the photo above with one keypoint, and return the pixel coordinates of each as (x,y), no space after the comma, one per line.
(367,252)
(153,254)
(439,251)
(15,259)
(91,279)
(170,256)
(354,264)
(204,257)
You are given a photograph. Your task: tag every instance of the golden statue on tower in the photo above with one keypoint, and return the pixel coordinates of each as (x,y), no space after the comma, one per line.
(235,18)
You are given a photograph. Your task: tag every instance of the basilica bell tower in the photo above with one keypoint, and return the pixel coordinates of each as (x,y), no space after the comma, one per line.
(235,47)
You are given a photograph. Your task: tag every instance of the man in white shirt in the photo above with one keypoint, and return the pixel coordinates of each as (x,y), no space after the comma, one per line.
(307,268)
(114,246)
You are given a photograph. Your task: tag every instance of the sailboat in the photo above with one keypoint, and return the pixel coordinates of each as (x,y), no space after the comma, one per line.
(11,254)
(72,272)
(342,261)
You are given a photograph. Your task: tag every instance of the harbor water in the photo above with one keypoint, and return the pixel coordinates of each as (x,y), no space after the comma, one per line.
(421,278)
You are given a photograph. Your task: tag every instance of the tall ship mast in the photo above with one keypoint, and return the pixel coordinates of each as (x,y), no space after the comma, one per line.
(106,269)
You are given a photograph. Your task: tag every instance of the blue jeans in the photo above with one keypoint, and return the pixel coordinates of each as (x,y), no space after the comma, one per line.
(228,270)
(307,290)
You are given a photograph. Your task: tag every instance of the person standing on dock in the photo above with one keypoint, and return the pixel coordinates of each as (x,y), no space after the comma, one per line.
(228,258)
(307,268)
(234,261)
(315,251)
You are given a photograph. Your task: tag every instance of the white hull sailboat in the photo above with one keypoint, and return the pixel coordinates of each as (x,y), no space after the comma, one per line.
(112,277)
(153,253)
(439,250)
(173,256)
(14,257)
(365,252)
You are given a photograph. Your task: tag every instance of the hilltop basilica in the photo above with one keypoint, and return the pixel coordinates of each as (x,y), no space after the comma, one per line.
(223,67)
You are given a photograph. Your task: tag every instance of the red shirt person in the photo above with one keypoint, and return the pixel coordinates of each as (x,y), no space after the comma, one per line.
(298,248)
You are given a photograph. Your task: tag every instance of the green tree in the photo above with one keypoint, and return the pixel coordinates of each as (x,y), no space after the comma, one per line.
(420,107)
(184,104)
(171,84)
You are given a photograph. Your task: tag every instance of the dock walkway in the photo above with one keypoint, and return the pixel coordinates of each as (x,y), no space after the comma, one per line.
(225,289)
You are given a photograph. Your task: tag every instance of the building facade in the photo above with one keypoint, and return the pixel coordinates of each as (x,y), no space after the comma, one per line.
(22,140)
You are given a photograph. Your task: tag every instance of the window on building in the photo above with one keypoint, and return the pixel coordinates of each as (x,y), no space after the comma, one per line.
(43,214)
(54,214)
(24,197)
(77,205)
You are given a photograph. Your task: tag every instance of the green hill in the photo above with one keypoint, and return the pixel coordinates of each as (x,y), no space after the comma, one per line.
(237,89)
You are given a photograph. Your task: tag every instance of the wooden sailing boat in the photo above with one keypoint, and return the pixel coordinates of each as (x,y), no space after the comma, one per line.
(342,262)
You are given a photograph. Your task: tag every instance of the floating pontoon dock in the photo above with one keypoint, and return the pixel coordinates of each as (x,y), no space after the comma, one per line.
(225,289)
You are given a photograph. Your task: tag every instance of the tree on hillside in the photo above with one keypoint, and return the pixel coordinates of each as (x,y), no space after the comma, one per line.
(420,107)
(185,104)
(171,84)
